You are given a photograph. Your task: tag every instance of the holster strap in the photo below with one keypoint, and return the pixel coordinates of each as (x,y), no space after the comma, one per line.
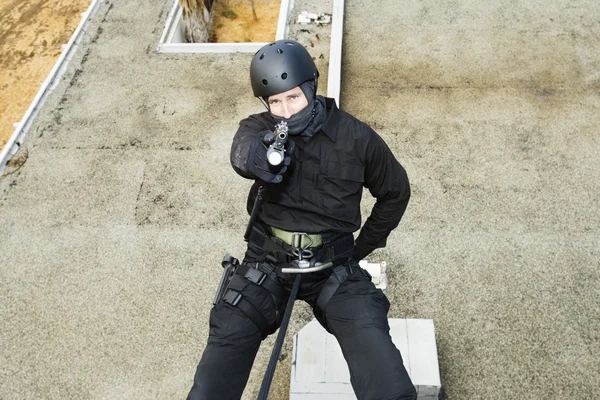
(234,297)
(331,285)
(252,273)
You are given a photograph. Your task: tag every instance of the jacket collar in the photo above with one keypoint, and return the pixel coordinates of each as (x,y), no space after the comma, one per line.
(330,126)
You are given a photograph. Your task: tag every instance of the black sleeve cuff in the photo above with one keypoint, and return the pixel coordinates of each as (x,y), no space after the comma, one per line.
(361,250)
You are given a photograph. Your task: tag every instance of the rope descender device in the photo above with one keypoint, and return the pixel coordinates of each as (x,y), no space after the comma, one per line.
(304,264)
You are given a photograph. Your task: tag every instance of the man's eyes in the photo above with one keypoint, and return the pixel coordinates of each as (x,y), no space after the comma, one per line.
(292,97)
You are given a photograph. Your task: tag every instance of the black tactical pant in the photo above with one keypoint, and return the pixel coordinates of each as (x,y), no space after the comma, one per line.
(356,315)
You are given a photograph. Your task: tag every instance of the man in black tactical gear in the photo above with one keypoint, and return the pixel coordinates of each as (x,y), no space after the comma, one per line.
(316,190)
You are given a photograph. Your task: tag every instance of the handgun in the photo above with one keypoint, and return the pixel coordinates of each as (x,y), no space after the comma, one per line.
(276,150)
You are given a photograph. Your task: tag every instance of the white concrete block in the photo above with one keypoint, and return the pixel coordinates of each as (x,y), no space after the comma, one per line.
(319,371)
(309,353)
(315,370)
(399,334)
(377,272)
(422,355)
(323,396)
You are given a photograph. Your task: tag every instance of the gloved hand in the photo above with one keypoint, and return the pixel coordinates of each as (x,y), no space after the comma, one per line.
(259,166)
(361,250)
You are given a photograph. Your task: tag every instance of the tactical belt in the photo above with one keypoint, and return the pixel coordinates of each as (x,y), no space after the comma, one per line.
(337,248)
(296,239)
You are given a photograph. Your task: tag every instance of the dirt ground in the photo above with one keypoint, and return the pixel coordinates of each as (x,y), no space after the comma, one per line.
(233,21)
(31,35)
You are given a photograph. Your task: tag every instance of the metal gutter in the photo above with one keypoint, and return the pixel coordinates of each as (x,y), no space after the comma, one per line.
(16,140)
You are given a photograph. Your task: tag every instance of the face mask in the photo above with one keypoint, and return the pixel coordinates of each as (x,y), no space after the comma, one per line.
(311,118)
(298,122)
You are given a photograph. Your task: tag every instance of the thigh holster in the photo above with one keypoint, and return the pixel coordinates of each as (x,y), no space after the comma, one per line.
(237,295)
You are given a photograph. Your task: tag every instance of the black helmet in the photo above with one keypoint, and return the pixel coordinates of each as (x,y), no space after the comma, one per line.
(280,66)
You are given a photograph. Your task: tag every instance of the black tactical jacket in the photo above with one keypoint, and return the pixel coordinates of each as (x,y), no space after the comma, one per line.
(321,191)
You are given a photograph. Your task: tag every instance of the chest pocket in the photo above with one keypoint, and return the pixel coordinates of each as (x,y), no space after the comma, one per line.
(345,172)
(340,187)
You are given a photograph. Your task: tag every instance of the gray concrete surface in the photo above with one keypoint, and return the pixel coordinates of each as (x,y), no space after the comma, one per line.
(114,227)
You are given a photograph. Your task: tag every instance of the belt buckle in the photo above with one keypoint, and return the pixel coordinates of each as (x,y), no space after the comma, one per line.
(297,241)
(300,251)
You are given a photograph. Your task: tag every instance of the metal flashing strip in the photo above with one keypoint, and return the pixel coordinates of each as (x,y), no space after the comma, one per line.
(335,51)
(14,143)
(169,24)
(172,40)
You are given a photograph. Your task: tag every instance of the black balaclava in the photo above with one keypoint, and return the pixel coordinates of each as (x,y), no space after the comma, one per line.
(311,118)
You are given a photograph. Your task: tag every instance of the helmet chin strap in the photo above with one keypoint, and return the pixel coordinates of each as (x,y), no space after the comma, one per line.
(264,103)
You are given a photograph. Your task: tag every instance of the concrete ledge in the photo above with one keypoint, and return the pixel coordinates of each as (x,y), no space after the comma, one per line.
(172,39)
